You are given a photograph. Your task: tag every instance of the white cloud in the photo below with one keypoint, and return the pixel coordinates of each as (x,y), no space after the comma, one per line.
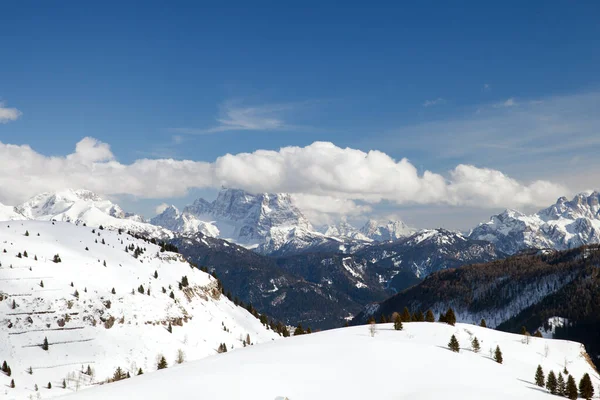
(322,210)
(160,208)
(330,179)
(438,101)
(235,116)
(510,102)
(8,114)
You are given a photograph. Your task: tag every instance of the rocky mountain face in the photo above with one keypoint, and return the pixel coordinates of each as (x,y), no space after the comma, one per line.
(386,231)
(316,290)
(564,225)
(426,252)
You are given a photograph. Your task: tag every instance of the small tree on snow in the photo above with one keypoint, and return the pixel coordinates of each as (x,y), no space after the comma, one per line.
(429,317)
(372,329)
(586,389)
(162,363)
(571,388)
(180,358)
(475,345)
(551,382)
(398,322)
(539,376)
(498,355)
(561,387)
(45,345)
(453,344)
(483,324)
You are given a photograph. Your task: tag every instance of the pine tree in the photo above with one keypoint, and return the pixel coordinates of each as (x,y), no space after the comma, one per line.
(41,283)
(64,385)
(45,345)
(475,345)
(420,316)
(155,274)
(4,366)
(539,376)
(498,355)
(89,371)
(12,383)
(453,344)
(382,319)
(299,330)
(26,233)
(406,315)
(429,317)
(482,323)
(104,263)
(586,388)
(170,328)
(140,372)
(571,391)
(162,363)
(523,330)
(49,385)
(450,317)
(537,333)
(113,291)
(398,322)
(561,387)
(551,383)
(172,295)
(118,375)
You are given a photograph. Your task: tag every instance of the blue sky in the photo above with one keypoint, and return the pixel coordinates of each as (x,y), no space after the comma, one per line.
(194,80)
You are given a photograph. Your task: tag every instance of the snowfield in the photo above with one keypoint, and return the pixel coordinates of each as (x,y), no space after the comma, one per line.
(71,303)
(349,364)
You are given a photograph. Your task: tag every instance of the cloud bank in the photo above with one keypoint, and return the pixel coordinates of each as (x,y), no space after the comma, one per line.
(323,177)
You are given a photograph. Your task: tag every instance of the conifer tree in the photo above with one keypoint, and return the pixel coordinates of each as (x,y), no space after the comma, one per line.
(45,345)
(89,372)
(12,383)
(450,317)
(299,330)
(475,345)
(170,328)
(420,316)
(49,385)
(482,323)
(571,391)
(498,355)
(118,375)
(41,283)
(586,388)
(442,317)
(453,344)
(561,386)
(398,322)
(26,233)
(382,319)
(162,363)
(523,330)
(4,366)
(155,274)
(140,372)
(539,376)
(64,385)
(537,333)
(406,315)
(113,291)
(551,382)
(429,317)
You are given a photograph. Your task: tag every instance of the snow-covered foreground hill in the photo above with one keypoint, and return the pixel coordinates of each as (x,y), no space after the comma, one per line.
(72,304)
(349,364)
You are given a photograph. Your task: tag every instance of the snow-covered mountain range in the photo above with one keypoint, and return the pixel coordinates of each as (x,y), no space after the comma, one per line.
(564,225)
(271,224)
(103,299)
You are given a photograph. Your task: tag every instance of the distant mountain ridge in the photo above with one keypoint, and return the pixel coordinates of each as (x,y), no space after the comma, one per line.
(564,225)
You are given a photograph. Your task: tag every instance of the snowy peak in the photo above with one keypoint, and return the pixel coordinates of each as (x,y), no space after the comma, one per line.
(67,205)
(8,213)
(565,224)
(390,230)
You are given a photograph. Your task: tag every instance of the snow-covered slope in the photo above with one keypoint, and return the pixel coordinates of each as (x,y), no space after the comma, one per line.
(72,304)
(85,207)
(8,213)
(349,364)
(564,225)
